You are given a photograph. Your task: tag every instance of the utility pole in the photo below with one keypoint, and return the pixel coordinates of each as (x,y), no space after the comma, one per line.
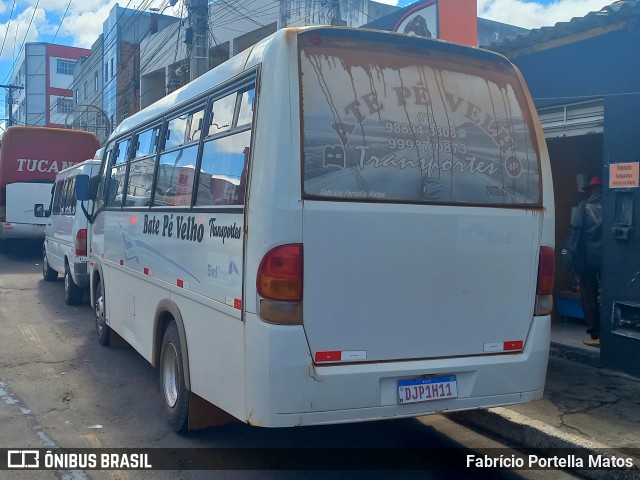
(196,37)
(10,89)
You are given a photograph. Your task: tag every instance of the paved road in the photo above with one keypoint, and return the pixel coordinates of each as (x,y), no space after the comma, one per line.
(60,388)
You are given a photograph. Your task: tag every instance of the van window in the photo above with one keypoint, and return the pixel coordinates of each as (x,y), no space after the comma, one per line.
(415,129)
(69,200)
(57,198)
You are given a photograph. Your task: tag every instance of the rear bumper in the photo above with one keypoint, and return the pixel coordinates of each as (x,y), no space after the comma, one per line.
(9,230)
(81,274)
(285,389)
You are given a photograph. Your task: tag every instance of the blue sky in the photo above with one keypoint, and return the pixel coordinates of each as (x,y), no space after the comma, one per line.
(79,22)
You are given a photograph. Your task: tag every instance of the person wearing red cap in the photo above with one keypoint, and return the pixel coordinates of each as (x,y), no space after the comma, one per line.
(589,222)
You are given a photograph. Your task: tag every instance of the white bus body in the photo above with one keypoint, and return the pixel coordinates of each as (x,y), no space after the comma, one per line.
(387,253)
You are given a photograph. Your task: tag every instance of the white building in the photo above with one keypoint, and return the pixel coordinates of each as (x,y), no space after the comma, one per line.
(45,71)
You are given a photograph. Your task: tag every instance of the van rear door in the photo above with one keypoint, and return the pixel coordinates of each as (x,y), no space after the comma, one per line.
(422,210)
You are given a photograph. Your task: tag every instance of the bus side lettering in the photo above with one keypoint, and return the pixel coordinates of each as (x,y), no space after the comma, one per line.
(41,165)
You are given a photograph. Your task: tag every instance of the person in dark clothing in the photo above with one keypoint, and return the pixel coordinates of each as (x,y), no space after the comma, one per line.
(589,222)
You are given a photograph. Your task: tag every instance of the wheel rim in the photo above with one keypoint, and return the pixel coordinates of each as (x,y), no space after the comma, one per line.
(66,282)
(45,264)
(170,375)
(99,311)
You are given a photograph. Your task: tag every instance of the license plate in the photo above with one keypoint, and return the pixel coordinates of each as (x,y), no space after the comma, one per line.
(416,390)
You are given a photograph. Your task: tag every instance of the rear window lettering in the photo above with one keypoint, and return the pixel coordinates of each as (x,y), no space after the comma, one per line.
(410,129)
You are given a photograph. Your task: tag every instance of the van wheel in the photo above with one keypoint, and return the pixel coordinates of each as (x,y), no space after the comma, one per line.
(48,273)
(102,329)
(174,391)
(72,292)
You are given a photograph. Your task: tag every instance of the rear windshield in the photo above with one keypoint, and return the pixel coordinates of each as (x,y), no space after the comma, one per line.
(384,124)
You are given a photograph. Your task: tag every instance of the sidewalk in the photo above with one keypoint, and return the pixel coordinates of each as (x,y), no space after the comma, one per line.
(584,406)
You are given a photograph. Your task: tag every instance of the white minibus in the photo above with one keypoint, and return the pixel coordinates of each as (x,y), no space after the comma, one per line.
(335,225)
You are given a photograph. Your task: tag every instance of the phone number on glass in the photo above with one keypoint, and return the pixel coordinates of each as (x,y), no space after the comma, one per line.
(409,144)
(426,130)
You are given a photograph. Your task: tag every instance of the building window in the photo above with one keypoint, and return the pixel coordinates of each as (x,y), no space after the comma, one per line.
(78,96)
(106,72)
(64,67)
(86,90)
(113,70)
(64,105)
(95,82)
(125,113)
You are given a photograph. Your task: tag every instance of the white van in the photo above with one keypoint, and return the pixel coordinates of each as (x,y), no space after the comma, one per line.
(65,247)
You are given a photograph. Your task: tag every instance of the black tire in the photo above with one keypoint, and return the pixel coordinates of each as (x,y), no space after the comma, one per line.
(99,309)
(72,292)
(174,392)
(48,273)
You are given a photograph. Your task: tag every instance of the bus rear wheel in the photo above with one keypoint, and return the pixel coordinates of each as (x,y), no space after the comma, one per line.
(174,391)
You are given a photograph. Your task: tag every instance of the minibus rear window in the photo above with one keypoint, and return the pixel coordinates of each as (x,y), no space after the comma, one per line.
(383,123)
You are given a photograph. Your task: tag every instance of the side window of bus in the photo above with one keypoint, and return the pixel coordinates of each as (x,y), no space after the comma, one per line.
(222,117)
(57,198)
(245,111)
(142,168)
(223,172)
(118,161)
(100,194)
(225,158)
(177,165)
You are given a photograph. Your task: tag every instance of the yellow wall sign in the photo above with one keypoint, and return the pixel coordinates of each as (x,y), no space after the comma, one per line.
(624,175)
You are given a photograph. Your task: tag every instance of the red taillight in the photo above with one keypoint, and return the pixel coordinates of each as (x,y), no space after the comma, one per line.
(280,274)
(544,289)
(545,271)
(81,242)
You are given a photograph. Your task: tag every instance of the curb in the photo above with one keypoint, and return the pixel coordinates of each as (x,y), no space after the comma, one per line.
(520,431)
(580,355)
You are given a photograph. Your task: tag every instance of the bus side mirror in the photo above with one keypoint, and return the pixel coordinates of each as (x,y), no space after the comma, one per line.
(38,210)
(82,188)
